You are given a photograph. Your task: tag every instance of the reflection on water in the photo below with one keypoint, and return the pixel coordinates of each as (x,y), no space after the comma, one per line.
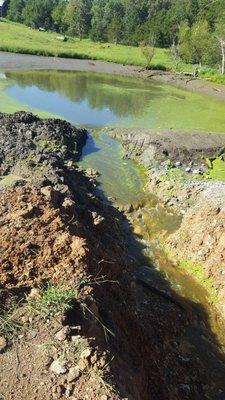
(99,100)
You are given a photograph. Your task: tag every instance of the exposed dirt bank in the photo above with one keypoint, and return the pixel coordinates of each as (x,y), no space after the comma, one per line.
(153,147)
(12,61)
(201,237)
(127,335)
(177,165)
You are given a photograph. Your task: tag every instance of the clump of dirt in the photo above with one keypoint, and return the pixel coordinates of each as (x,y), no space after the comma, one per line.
(121,332)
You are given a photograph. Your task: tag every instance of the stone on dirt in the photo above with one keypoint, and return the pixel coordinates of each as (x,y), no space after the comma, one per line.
(58,367)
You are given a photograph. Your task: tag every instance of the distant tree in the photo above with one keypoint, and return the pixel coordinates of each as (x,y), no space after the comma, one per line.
(175,54)
(220,35)
(38,13)
(15,10)
(58,14)
(78,17)
(135,16)
(113,20)
(195,43)
(98,29)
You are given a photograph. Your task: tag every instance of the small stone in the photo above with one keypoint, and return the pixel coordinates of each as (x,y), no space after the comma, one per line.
(177,164)
(63,333)
(104,397)
(97,219)
(76,339)
(74,373)
(58,367)
(3,344)
(31,334)
(86,353)
(188,169)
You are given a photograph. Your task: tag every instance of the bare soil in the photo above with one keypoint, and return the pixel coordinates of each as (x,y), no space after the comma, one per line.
(201,237)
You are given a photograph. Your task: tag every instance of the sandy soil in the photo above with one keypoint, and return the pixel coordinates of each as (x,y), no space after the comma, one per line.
(11,61)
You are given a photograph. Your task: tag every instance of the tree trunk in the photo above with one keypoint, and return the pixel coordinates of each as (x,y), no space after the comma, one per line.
(223,57)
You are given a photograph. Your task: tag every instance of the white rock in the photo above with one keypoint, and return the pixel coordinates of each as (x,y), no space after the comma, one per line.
(58,367)
(86,353)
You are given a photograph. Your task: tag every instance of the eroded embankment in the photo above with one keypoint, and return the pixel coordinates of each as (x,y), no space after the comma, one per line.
(124,333)
(178,165)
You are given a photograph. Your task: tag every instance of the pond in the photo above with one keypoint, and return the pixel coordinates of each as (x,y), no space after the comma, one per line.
(100,100)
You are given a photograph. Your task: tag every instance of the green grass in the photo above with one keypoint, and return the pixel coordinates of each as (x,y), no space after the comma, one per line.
(9,326)
(19,38)
(52,300)
(217,170)
(199,274)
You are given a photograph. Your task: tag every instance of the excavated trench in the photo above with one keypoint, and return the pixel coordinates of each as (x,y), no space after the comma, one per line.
(159,344)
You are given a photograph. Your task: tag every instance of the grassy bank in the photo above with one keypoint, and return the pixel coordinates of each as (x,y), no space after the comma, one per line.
(21,39)
(18,38)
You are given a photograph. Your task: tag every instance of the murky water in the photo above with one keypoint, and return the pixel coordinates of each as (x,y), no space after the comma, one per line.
(100,101)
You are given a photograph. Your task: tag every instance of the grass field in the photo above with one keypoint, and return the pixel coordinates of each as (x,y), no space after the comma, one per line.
(21,39)
(18,38)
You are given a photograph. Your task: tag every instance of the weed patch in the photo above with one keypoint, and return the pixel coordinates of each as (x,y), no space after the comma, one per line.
(52,300)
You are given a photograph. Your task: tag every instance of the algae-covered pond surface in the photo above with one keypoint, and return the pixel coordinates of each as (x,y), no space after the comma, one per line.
(102,100)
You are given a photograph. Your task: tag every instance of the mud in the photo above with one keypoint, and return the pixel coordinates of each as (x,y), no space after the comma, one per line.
(152,343)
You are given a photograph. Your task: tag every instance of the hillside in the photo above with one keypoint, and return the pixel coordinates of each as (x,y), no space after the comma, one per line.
(19,38)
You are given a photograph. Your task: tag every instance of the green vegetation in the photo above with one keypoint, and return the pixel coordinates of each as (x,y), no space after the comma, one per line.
(198,272)
(52,300)
(217,169)
(9,326)
(18,38)
(192,30)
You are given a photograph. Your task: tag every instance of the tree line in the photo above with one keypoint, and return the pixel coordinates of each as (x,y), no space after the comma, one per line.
(197,26)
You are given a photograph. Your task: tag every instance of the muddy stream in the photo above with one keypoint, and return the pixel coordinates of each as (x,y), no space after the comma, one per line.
(99,101)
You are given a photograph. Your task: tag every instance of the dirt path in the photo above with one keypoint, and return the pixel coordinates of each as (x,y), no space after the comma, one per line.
(11,61)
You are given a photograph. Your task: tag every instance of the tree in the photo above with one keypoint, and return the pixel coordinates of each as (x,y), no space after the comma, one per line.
(38,13)
(98,29)
(113,19)
(78,17)
(220,35)
(148,50)
(195,43)
(15,10)
(58,16)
